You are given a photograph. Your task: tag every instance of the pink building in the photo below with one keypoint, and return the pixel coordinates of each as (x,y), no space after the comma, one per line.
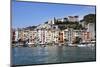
(86,37)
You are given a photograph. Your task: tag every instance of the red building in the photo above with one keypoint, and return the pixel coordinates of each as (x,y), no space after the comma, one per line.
(13,35)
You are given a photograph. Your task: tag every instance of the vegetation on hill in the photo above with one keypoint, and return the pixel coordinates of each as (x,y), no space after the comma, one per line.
(67,24)
(90,18)
(30,27)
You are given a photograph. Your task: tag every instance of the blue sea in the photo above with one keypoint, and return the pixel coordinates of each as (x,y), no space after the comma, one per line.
(52,54)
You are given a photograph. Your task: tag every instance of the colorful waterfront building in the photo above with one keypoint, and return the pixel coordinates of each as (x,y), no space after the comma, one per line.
(86,37)
(32,37)
(70,35)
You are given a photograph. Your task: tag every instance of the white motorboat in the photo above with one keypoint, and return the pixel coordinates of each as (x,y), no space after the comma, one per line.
(91,45)
(81,45)
(30,43)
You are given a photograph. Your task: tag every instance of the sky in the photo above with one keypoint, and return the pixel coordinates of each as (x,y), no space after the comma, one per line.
(26,14)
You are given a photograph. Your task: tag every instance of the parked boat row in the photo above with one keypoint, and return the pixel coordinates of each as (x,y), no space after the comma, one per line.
(45,45)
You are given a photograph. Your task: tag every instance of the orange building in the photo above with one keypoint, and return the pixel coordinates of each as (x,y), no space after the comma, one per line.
(61,37)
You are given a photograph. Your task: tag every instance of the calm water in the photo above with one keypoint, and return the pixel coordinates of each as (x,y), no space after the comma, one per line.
(55,54)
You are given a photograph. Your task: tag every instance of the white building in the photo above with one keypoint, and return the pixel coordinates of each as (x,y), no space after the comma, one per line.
(47,33)
(41,36)
(62,19)
(55,34)
(51,22)
(43,33)
(16,35)
(32,36)
(73,18)
(70,35)
(91,29)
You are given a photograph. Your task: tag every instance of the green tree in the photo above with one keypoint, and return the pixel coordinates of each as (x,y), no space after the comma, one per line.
(90,18)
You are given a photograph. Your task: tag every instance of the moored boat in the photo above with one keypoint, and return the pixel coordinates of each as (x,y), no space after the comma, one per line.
(81,45)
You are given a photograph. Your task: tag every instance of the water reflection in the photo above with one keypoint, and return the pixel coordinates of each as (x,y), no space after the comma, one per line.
(56,54)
